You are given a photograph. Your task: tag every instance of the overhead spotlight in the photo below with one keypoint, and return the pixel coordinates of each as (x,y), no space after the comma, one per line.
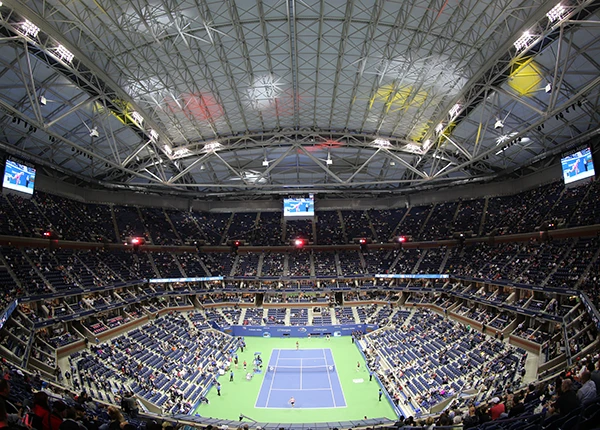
(548,88)
(329,161)
(265,162)
(94,132)
(499,124)
(43,100)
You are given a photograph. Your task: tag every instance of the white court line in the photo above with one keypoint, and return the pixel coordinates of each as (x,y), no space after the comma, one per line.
(272,379)
(300,373)
(329,377)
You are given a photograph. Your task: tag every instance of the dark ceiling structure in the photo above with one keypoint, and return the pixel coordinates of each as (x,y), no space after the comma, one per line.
(249,99)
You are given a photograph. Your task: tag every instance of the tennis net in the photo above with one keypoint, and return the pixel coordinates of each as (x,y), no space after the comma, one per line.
(298,369)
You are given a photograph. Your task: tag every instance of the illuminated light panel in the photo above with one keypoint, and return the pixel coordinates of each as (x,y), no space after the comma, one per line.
(524,41)
(505,137)
(30,29)
(384,143)
(212,146)
(426,145)
(415,149)
(264,91)
(180,152)
(526,78)
(137,117)
(454,111)
(556,13)
(64,54)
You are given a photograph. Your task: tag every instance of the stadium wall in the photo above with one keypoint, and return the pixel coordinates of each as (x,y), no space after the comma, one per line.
(453,193)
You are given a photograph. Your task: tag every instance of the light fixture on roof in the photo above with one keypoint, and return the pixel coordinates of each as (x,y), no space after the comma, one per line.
(439,128)
(265,163)
(30,29)
(212,146)
(64,54)
(329,161)
(168,149)
(548,88)
(93,131)
(524,41)
(454,111)
(137,117)
(499,124)
(383,143)
(43,100)
(153,135)
(556,13)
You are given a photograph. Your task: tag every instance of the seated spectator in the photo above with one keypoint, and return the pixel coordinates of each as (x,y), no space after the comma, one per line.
(518,407)
(497,408)
(59,410)
(596,376)
(116,419)
(587,392)
(471,420)
(41,411)
(567,401)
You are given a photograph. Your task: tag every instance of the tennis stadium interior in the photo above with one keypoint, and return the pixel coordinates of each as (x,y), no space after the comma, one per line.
(299,214)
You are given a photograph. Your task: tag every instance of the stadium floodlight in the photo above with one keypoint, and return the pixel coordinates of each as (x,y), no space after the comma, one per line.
(499,124)
(212,146)
(265,163)
(556,13)
(43,100)
(94,132)
(439,128)
(426,145)
(383,143)
(548,88)
(137,117)
(454,111)
(524,41)
(329,161)
(30,29)
(64,54)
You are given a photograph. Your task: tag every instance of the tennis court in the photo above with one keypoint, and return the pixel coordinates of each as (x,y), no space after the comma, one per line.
(308,375)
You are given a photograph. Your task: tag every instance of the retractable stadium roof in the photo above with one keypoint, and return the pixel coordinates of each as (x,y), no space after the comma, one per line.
(245,99)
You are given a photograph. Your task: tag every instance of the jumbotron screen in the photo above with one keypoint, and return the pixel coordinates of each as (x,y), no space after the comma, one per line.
(578,166)
(18,177)
(299,207)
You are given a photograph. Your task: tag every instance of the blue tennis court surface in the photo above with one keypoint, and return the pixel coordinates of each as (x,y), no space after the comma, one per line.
(308,375)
